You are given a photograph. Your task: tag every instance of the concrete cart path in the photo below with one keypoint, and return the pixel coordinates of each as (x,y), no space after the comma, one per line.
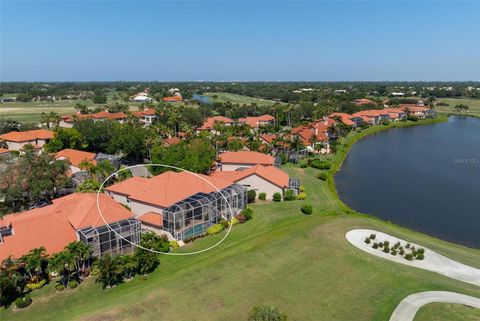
(409,306)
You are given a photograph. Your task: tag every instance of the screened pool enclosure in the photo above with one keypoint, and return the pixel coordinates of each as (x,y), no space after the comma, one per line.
(103,240)
(195,214)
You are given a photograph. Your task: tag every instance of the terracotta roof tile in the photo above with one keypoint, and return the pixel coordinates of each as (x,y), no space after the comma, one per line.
(168,188)
(55,225)
(76,156)
(246,157)
(270,173)
(28,135)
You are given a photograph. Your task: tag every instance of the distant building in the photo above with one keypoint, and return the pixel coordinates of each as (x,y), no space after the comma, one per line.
(209,123)
(258,121)
(231,161)
(17,140)
(75,158)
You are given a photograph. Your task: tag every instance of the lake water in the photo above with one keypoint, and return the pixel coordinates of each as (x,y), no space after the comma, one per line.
(201,99)
(425,177)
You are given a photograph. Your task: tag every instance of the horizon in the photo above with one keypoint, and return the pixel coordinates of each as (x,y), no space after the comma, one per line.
(240,41)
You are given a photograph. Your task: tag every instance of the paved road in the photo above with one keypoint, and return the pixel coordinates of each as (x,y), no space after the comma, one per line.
(409,306)
(433,261)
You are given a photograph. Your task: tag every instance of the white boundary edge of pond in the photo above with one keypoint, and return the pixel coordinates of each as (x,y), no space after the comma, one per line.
(432,262)
(408,307)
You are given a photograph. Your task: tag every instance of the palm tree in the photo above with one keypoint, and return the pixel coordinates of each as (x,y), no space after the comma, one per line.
(81,254)
(34,262)
(62,263)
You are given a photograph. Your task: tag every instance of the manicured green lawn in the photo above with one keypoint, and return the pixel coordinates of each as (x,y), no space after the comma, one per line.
(238,99)
(447,312)
(300,263)
(32,111)
(474,105)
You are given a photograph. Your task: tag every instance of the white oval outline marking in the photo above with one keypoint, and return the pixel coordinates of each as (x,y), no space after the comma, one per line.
(151,250)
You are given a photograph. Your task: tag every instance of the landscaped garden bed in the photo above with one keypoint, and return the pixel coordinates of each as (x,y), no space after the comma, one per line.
(406,250)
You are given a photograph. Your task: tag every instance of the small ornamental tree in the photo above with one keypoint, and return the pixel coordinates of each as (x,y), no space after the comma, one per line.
(262,196)
(277,197)
(251,195)
(289,195)
(307,209)
(266,313)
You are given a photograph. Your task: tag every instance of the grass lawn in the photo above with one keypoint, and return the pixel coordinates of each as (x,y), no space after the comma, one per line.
(474,105)
(238,99)
(300,263)
(447,312)
(32,111)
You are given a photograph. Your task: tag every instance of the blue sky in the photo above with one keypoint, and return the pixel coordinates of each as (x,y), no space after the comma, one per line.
(233,40)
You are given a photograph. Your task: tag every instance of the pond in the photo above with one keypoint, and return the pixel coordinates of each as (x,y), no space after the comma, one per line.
(423,177)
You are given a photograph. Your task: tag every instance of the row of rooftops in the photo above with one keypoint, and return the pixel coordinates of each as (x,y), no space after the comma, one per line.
(56,225)
(107,115)
(254,121)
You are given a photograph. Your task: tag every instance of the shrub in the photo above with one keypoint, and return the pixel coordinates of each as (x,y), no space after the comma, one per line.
(420,256)
(386,249)
(241,218)
(289,195)
(277,197)
(367,240)
(36,286)
(373,236)
(23,302)
(303,164)
(302,196)
(266,313)
(307,209)
(301,189)
(262,196)
(224,222)
(174,244)
(322,176)
(421,250)
(234,221)
(393,252)
(412,248)
(386,243)
(380,244)
(59,287)
(407,246)
(375,245)
(72,284)
(319,164)
(248,213)
(251,196)
(409,257)
(214,229)
(412,118)
(402,252)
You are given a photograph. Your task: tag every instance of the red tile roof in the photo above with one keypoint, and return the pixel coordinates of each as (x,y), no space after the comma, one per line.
(269,173)
(257,121)
(55,225)
(209,122)
(4,151)
(344,118)
(172,140)
(172,98)
(364,101)
(168,188)
(145,112)
(152,218)
(76,156)
(269,138)
(246,157)
(29,135)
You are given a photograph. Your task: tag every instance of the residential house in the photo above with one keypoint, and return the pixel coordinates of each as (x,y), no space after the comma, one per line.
(147,116)
(231,161)
(75,158)
(209,123)
(5,152)
(68,120)
(345,118)
(258,121)
(418,111)
(172,99)
(364,101)
(68,219)
(17,140)
(372,116)
(266,179)
(180,205)
(395,114)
